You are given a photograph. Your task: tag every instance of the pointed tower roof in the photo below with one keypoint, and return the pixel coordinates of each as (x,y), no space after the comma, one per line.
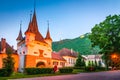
(20,37)
(48,34)
(33,28)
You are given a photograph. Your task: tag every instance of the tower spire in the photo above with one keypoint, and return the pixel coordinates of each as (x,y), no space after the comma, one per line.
(33,27)
(20,37)
(48,32)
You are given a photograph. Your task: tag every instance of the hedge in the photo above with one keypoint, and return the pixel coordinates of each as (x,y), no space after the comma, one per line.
(101,68)
(32,71)
(66,70)
(4,73)
(90,68)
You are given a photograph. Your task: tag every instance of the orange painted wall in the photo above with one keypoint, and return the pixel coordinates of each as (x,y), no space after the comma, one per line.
(16,60)
(48,61)
(30,61)
(0,60)
(58,61)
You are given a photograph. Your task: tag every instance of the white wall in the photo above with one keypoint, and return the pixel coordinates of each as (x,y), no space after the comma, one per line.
(93,58)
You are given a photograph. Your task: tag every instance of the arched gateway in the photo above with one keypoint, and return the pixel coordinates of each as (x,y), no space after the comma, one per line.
(40,64)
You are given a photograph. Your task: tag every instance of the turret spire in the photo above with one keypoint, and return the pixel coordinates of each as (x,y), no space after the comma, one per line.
(20,37)
(48,32)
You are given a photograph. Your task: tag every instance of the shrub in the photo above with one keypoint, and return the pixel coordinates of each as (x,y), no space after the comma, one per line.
(4,73)
(79,67)
(32,71)
(8,64)
(90,68)
(100,68)
(66,70)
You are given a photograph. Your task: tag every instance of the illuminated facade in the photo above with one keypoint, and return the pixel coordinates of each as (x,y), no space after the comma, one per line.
(36,51)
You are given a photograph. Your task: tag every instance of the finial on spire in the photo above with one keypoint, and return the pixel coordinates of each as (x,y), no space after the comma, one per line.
(48,23)
(30,15)
(34,5)
(20,24)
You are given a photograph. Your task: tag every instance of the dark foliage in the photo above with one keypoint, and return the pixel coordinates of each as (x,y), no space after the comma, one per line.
(90,68)
(4,73)
(80,62)
(8,64)
(33,71)
(66,70)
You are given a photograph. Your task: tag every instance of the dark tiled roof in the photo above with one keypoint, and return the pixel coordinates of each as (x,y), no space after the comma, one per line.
(8,47)
(33,28)
(57,56)
(67,52)
(48,35)
(20,37)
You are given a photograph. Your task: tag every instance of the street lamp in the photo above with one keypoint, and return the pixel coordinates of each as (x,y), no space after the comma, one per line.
(114,56)
(114,60)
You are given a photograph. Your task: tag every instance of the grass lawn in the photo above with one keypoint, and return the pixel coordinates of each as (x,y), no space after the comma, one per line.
(21,75)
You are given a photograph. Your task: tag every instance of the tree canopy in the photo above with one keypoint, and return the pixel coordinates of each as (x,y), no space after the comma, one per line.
(8,63)
(107,34)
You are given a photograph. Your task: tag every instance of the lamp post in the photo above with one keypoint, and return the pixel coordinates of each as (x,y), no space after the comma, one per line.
(114,58)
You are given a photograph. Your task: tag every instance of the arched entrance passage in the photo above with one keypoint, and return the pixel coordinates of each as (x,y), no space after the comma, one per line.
(40,64)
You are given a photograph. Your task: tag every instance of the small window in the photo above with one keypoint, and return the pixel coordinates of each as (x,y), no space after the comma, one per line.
(45,54)
(38,43)
(62,64)
(27,39)
(55,63)
(23,52)
(35,53)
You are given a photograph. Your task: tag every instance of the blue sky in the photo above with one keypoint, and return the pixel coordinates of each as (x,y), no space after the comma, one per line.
(67,18)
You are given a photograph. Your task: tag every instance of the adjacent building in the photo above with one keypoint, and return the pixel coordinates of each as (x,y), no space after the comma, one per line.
(93,58)
(69,55)
(5,49)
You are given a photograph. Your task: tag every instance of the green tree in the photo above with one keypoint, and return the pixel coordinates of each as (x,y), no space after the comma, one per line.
(92,63)
(89,63)
(8,63)
(100,63)
(80,62)
(106,35)
(96,63)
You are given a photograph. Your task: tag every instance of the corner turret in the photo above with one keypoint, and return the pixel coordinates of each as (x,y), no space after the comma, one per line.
(20,37)
(48,38)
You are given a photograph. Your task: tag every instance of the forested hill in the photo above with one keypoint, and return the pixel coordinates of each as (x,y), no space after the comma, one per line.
(80,44)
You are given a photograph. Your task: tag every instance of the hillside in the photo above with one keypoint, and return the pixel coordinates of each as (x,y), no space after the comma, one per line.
(80,44)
